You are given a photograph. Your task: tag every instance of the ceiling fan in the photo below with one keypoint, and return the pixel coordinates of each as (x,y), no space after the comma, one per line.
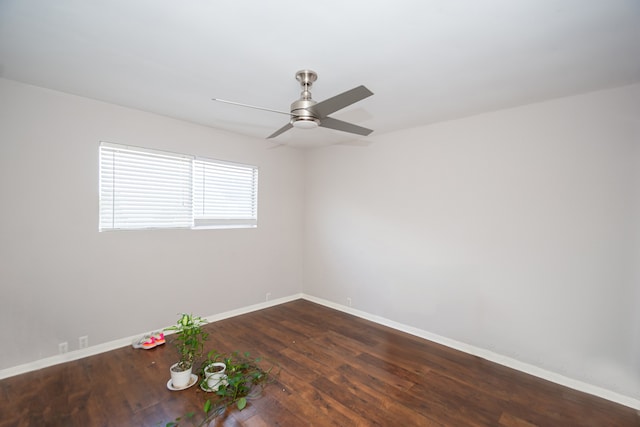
(307,113)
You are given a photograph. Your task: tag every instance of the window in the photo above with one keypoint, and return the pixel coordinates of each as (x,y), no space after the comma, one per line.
(224,193)
(142,189)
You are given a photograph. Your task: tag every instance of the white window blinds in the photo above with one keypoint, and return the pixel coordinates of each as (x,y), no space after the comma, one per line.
(141,189)
(224,193)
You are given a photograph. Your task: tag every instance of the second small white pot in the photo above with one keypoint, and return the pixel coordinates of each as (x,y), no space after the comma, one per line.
(214,373)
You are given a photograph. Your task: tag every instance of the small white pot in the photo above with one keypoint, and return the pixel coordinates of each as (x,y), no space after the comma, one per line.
(179,379)
(215,376)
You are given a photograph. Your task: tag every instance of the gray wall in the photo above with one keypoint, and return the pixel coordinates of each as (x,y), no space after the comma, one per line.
(515,232)
(60,278)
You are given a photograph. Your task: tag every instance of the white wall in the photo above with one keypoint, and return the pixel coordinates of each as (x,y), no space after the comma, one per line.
(515,232)
(60,278)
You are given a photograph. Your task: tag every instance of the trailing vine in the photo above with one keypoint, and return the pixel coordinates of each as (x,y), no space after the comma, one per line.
(245,380)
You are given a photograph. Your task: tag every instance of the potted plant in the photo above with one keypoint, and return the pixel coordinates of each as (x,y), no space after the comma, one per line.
(233,378)
(189,342)
(213,374)
(244,378)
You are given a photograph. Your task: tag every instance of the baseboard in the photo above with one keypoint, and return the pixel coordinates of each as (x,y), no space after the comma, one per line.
(486,354)
(124,342)
(254,307)
(63,358)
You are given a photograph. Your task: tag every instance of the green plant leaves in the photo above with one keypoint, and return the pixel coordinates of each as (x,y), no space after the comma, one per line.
(242,402)
(189,338)
(175,423)
(245,380)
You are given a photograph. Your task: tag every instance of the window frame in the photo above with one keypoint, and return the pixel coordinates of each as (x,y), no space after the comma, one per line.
(105,189)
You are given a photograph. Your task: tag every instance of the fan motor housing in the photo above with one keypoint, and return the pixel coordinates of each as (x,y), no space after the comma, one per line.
(302,117)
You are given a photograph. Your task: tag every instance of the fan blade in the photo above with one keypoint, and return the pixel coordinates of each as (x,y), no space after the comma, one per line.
(281,130)
(250,106)
(331,123)
(338,102)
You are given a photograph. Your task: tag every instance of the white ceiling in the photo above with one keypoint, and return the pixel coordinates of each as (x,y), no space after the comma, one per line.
(425,60)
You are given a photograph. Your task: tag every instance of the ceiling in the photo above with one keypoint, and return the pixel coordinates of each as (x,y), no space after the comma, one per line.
(425,60)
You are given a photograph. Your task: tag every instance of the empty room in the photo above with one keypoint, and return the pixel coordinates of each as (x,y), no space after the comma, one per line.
(408,213)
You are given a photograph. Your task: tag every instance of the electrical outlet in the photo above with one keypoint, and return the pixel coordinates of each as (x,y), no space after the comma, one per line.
(83,342)
(268,297)
(63,347)
(349,301)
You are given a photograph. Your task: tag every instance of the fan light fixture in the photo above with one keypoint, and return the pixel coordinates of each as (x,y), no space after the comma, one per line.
(305,122)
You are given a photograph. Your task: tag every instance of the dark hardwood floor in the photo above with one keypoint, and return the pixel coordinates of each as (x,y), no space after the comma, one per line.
(335,370)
